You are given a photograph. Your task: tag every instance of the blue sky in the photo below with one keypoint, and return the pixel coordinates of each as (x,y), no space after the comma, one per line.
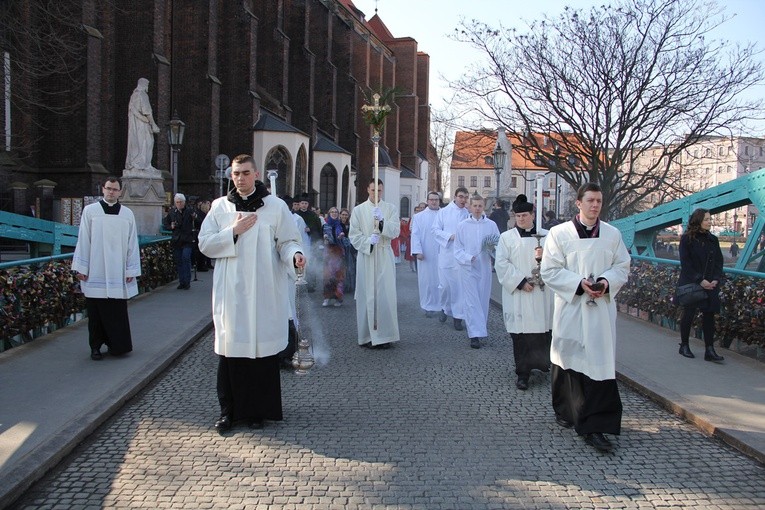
(430,21)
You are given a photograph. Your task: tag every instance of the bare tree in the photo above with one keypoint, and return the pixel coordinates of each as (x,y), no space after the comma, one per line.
(442,129)
(605,86)
(45,43)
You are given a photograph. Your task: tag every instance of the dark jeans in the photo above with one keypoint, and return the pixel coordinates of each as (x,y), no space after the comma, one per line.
(707,325)
(182,256)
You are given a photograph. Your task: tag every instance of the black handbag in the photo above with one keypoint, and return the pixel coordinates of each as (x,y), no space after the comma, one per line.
(690,294)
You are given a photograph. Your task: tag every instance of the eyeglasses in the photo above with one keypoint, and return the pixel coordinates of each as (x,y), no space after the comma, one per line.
(115,190)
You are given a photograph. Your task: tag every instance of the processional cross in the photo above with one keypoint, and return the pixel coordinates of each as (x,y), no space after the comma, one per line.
(374,115)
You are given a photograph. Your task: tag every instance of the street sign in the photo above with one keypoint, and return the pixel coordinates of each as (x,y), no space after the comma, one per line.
(222,161)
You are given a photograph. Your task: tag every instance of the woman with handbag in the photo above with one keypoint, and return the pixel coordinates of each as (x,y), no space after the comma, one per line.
(701,262)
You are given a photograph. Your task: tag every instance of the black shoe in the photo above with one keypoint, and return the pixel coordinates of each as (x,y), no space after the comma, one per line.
(458,325)
(475,343)
(522,383)
(367,345)
(95,354)
(202,269)
(382,346)
(429,314)
(686,351)
(443,316)
(598,441)
(563,422)
(711,355)
(179,287)
(256,424)
(223,424)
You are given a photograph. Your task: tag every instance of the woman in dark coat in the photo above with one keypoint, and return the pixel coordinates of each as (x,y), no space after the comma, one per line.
(350,253)
(701,261)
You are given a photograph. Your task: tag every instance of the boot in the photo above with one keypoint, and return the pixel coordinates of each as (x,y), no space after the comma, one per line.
(711,355)
(686,351)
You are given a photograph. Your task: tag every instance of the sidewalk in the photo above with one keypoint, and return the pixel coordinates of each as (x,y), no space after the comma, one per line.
(53,395)
(724,400)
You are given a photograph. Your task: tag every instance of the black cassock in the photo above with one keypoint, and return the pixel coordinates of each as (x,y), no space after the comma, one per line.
(108,322)
(250,388)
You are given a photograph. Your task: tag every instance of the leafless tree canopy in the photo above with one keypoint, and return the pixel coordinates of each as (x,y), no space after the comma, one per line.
(442,129)
(608,84)
(46,44)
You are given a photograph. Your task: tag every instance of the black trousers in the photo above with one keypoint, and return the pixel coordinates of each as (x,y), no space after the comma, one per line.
(108,324)
(250,388)
(707,325)
(592,406)
(531,351)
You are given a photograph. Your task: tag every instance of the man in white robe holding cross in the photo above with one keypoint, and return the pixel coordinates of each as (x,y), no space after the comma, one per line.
(376,301)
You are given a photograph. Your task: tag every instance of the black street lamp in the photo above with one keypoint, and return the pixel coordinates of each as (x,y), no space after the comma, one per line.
(499,163)
(175,131)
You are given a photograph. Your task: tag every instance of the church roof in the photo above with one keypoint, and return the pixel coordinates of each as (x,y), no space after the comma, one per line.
(383,158)
(408,174)
(270,122)
(379,28)
(324,144)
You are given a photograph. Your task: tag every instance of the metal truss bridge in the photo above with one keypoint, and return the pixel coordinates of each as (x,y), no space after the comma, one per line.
(640,230)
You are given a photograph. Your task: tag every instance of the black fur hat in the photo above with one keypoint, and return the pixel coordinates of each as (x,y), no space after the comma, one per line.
(522,204)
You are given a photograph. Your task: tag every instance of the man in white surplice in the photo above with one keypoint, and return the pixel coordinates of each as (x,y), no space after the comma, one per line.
(253,238)
(425,248)
(527,307)
(107,261)
(585,262)
(443,229)
(475,268)
(375,270)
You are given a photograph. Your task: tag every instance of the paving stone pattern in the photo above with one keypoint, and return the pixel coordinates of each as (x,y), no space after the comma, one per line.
(428,424)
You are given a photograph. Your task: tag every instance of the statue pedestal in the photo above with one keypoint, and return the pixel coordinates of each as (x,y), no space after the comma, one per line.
(143,192)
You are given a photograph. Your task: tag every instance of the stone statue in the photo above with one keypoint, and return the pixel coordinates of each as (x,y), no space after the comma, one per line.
(141,130)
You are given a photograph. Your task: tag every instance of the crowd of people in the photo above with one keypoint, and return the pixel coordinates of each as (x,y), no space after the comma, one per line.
(558,284)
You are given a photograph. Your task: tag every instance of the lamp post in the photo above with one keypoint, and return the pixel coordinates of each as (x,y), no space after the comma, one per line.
(499,163)
(175,131)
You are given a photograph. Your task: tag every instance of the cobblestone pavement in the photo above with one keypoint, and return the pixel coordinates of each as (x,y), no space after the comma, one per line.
(428,424)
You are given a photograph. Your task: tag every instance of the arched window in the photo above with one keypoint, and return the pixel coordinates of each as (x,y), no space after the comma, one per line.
(327,188)
(279,159)
(301,173)
(404,208)
(344,188)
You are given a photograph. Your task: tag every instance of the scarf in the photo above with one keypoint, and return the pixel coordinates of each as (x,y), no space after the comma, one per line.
(251,203)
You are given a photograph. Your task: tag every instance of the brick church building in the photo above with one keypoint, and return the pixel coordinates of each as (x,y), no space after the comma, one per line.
(284,80)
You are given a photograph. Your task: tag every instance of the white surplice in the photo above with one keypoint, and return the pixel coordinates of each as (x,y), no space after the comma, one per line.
(474,271)
(584,336)
(375,274)
(443,228)
(251,307)
(107,252)
(424,242)
(523,312)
